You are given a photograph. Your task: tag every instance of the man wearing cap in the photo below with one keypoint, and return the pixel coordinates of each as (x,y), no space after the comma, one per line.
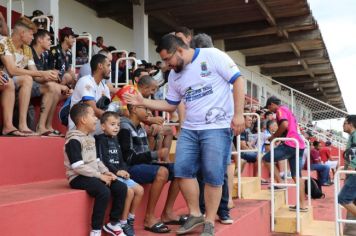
(60,56)
(287,127)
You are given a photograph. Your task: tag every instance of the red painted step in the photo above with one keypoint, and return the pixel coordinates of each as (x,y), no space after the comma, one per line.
(52,208)
(26,160)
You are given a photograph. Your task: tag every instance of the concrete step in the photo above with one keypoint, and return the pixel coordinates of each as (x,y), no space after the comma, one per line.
(265,194)
(26,160)
(319,228)
(245,214)
(249,185)
(286,222)
(52,208)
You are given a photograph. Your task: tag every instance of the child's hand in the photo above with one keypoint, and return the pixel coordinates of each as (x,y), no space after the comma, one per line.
(123,174)
(106,179)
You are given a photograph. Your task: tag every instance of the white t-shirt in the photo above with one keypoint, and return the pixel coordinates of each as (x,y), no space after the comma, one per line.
(85,90)
(204,87)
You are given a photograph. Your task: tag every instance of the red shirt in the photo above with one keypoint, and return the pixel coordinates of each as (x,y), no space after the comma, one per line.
(324,154)
(314,156)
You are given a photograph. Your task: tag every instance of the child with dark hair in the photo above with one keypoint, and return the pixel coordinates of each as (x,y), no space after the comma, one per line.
(109,152)
(85,171)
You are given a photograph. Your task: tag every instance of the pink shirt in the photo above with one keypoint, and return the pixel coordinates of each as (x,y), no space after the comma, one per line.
(283,113)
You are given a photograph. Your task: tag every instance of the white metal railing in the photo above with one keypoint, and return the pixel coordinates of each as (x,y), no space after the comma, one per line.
(9,12)
(74,49)
(117,84)
(297,184)
(338,213)
(239,151)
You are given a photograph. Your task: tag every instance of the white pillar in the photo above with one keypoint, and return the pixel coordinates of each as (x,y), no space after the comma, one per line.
(220,44)
(140,31)
(49,7)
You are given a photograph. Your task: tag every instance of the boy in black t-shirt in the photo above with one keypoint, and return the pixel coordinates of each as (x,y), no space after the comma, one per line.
(109,151)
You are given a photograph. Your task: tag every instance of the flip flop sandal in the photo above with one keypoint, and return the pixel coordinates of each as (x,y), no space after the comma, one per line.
(14,133)
(182,219)
(158,228)
(294,208)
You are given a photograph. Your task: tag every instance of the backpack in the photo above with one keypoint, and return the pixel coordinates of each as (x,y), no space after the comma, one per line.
(316,191)
(63,113)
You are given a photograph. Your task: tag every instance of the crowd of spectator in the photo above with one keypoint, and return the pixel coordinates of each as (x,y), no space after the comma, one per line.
(132,142)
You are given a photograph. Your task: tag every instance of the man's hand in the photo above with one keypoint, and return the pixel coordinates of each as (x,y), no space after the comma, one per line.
(156,120)
(163,154)
(50,75)
(106,179)
(123,174)
(238,124)
(133,99)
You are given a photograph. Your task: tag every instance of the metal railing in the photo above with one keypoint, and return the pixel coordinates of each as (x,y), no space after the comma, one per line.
(74,49)
(117,84)
(338,213)
(239,151)
(297,184)
(9,12)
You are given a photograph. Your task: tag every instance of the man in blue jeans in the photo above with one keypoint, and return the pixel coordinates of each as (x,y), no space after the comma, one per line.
(201,78)
(347,195)
(316,164)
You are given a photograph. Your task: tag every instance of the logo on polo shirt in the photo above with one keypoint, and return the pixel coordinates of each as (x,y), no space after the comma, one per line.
(204,69)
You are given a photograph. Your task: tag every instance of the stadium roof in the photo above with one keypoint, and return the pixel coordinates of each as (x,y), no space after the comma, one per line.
(280,36)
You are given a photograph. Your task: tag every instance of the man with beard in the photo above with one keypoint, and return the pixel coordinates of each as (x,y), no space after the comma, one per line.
(202,78)
(91,88)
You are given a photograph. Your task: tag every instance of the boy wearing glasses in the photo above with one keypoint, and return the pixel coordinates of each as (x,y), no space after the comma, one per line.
(146,166)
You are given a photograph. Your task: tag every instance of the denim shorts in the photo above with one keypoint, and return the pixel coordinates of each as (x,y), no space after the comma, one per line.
(146,173)
(250,157)
(347,194)
(283,152)
(206,150)
(129,182)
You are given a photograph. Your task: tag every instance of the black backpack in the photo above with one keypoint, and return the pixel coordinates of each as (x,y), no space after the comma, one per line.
(316,191)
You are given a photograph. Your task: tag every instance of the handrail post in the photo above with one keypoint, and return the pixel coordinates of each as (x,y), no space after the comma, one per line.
(117,70)
(297,184)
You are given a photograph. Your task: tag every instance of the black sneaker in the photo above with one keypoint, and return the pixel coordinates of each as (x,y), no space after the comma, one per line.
(131,222)
(190,224)
(128,230)
(226,220)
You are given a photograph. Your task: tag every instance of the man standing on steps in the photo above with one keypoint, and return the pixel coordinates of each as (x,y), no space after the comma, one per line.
(201,78)
(287,127)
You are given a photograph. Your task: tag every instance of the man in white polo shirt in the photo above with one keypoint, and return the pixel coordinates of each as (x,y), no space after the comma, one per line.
(91,88)
(201,79)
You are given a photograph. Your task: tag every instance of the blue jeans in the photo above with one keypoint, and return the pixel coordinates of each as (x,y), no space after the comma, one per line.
(347,194)
(323,171)
(282,152)
(205,150)
(250,157)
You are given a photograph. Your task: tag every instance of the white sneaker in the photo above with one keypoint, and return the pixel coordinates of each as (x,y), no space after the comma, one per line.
(95,233)
(114,230)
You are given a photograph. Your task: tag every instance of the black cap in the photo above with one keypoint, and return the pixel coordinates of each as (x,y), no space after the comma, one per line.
(272,99)
(66,31)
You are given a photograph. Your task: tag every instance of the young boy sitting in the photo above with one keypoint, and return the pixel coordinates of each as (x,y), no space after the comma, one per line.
(146,167)
(85,171)
(109,151)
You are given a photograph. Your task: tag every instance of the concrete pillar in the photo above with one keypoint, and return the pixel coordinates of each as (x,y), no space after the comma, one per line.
(140,31)
(220,44)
